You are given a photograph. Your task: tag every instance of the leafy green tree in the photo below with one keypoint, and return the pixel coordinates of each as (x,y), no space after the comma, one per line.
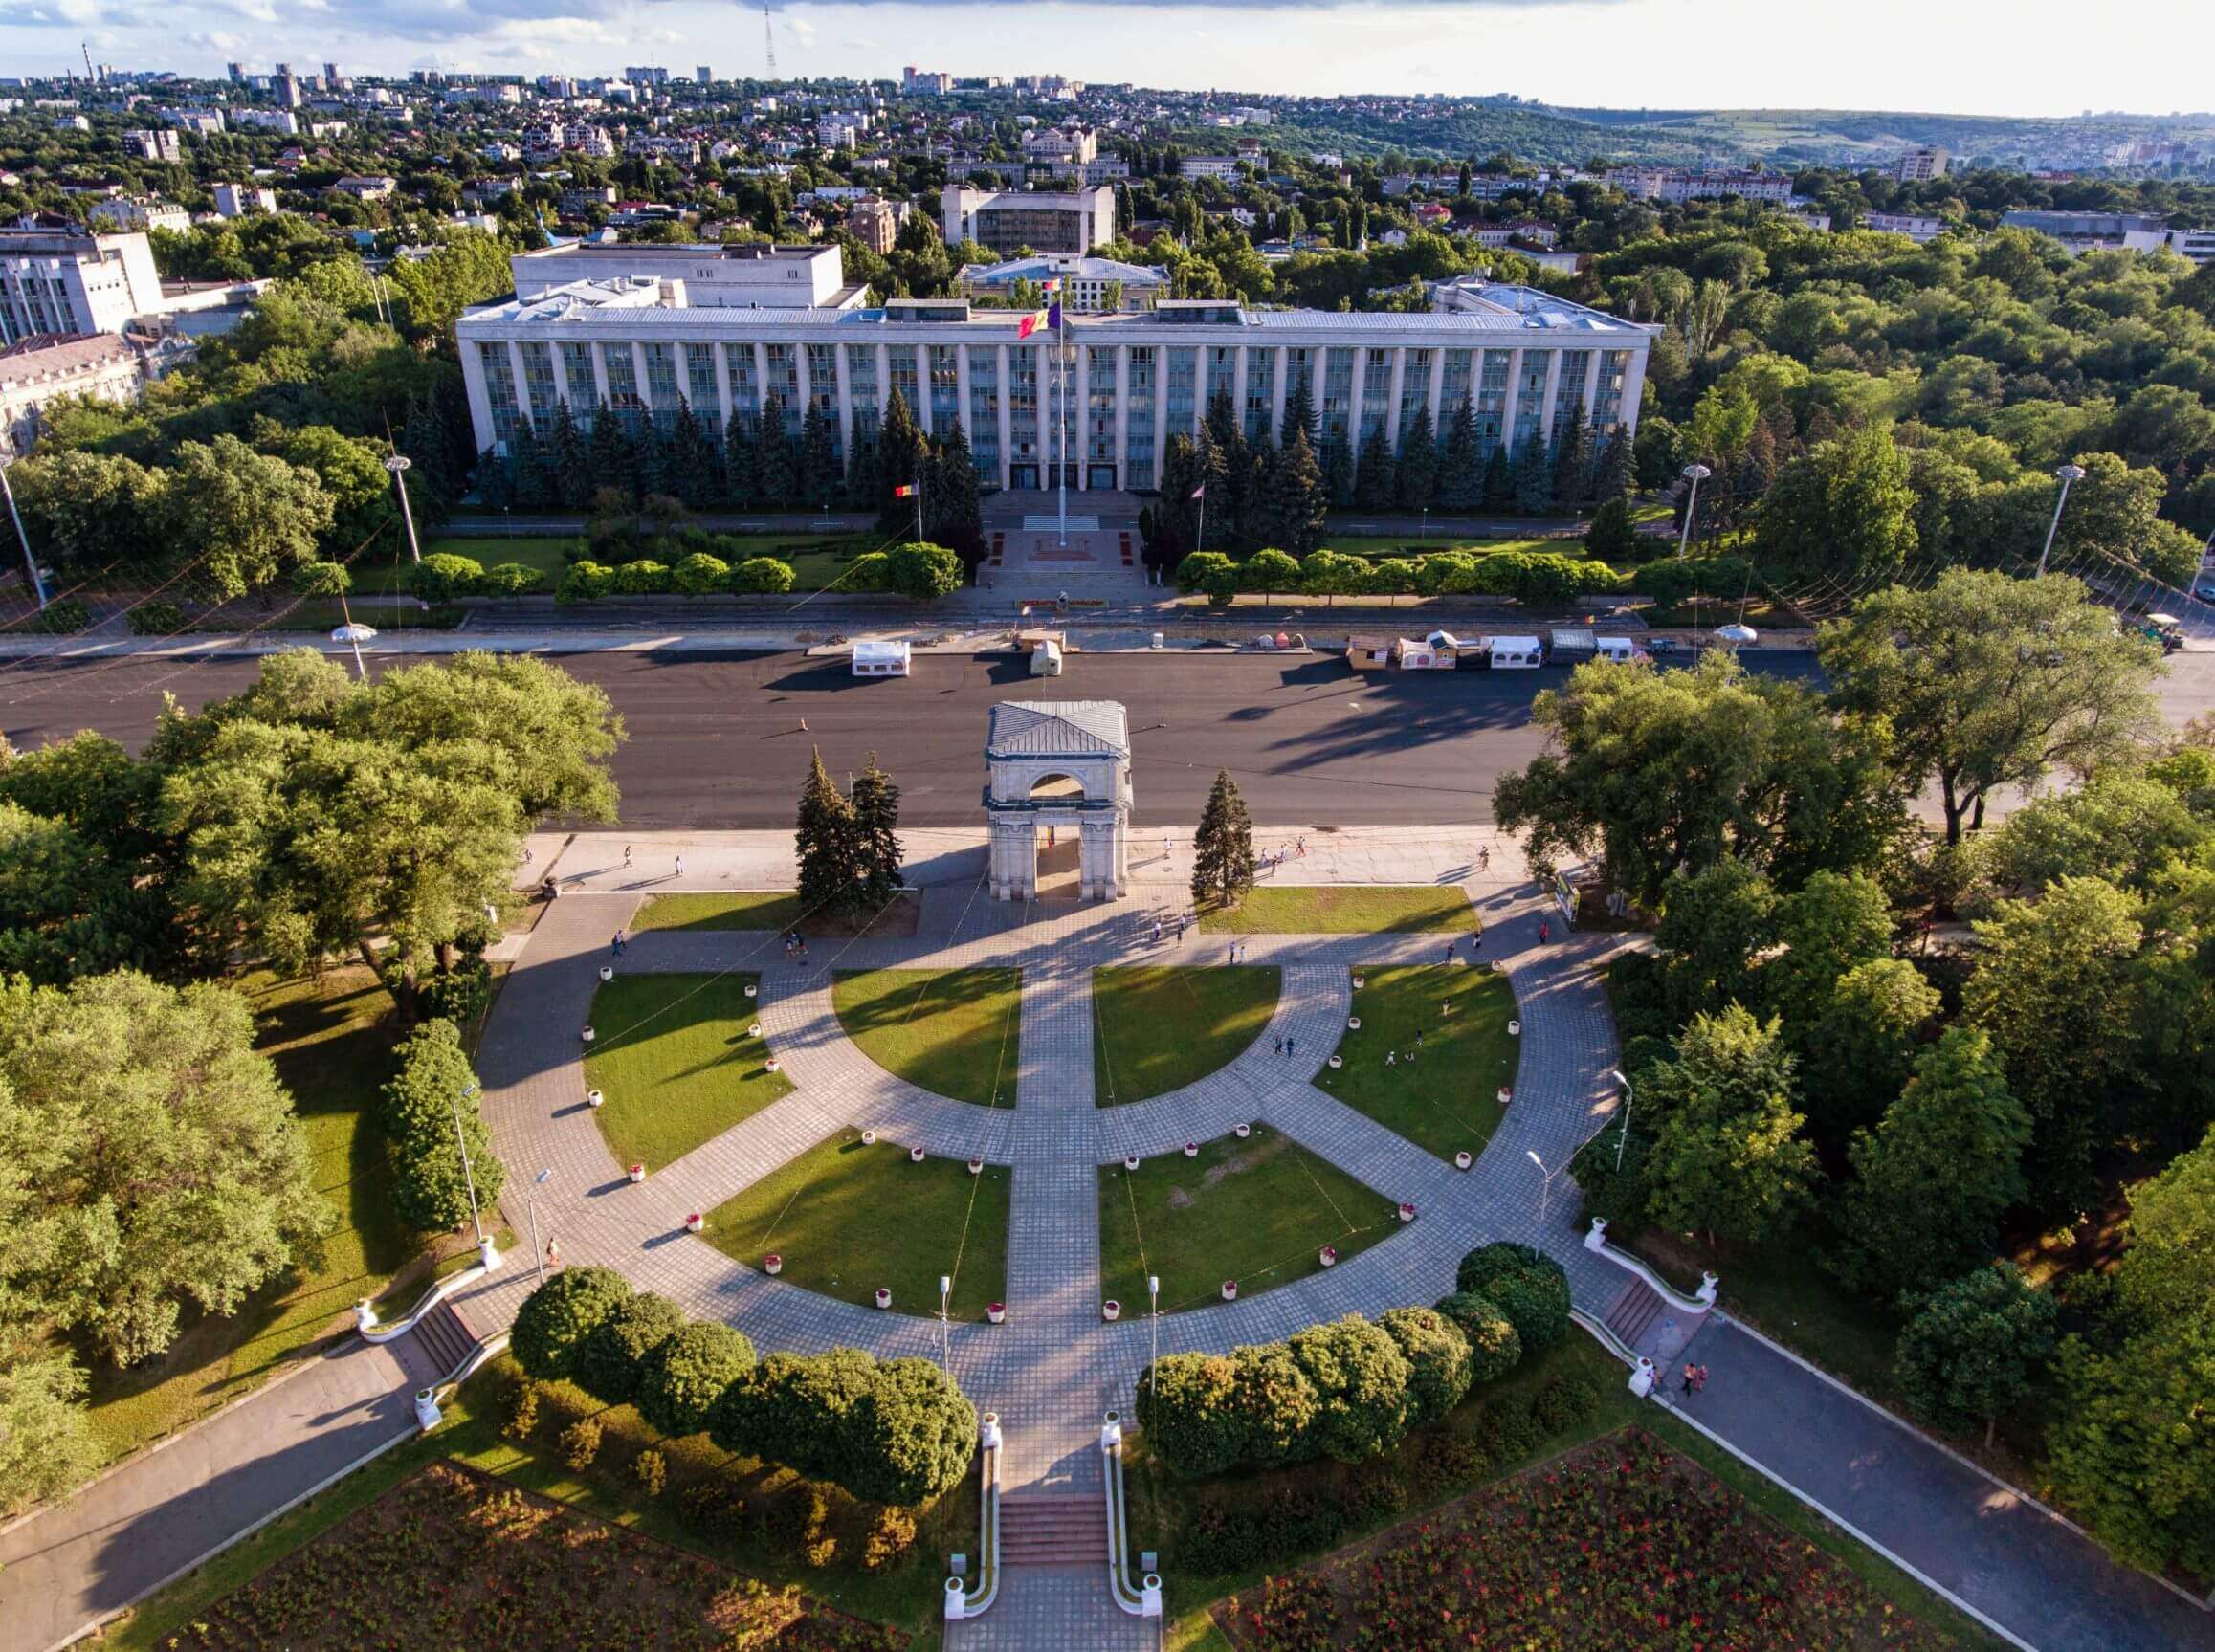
(1932,1182)
(1713,925)
(1188,1406)
(1990,682)
(558,1318)
(916,1434)
(1828,926)
(875,805)
(85,510)
(1223,847)
(1974,1347)
(2054,987)
(1527,1285)
(612,1355)
(442,576)
(46,1443)
(923,571)
(1728,1159)
(2126,828)
(699,573)
(1332,574)
(1859,1050)
(684,1374)
(418,1110)
(1846,512)
(2168,1272)
(1494,1346)
(1612,538)
(161,1160)
(899,1431)
(80,896)
(1269,571)
(1360,1379)
(1440,1367)
(762,576)
(243,517)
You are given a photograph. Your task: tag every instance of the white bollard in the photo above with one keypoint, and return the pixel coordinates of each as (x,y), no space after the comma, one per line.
(1111,1432)
(428,1416)
(1598,1235)
(989,1432)
(487,1254)
(1150,1595)
(955,1600)
(1707,1289)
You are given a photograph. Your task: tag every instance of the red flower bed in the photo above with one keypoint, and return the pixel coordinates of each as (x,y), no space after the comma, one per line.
(1623,1544)
(455,1559)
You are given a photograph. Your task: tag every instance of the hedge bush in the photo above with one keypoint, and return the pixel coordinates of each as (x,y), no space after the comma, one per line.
(643,577)
(585,582)
(442,576)
(684,1374)
(554,1320)
(458,995)
(1495,1349)
(510,580)
(698,574)
(158,619)
(1530,1288)
(1359,1380)
(416,1112)
(62,619)
(763,576)
(1440,1362)
(614,1352)
(893,1431)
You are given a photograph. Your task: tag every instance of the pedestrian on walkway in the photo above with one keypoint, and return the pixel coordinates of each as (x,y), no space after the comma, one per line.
(1484,858)
(1303,848)
(1691,1370)
(1280,1044)
(1449,952)
(1049,837)
(1699,1379)
(1545,933)
(1179,929)
(680,866)
(553,1254)
(1289,1046)
(615,946)
(626,857)
(1157,932)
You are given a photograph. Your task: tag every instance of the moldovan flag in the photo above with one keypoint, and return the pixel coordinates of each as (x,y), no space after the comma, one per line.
(1051,284)
(1030,323)
(1200,490)
(905,490)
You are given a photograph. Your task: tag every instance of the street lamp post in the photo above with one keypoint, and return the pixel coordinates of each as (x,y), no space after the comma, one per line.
(1628,1097)
(531,1199)
(1695,475)
(398,464)
(947,1321)
(30,563)
(485,1252)
(1154,1298)
(2067,473)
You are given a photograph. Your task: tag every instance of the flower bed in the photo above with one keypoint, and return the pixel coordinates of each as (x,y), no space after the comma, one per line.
(1621,1544)
(455,1559)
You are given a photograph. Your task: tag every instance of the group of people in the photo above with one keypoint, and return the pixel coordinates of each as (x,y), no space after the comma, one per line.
(795,946)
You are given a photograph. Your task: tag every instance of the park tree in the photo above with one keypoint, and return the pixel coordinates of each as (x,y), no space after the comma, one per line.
(1988,682)
(1223,847)
(1294,503)
(1844,511)
(556,1320)
(874,808)
(163,1162)
(46,1443)
(428,1112)
(1360,1379)
(1663,771)
(1440,1367)
(828,845)
(1460,464)
(1373,474)
(2168,1272)
(611,1357)
(1715,926)
(2124,827)
(2055,988)
(953,506)
(1974,1347)
(900,453)
(776,457)
(85,510)
(1528,1288)
(1613,536)
(684,1374)
(1415,481)
(1833,923)
(242,517)
(1933,1180)
(1728,1159)
(1859,1048)
(1269,571)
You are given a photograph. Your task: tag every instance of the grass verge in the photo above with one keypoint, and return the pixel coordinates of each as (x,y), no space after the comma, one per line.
(1431,1055)
(674,1059)
(1157,1030)
(1258,1210)
(848,1218)
(955,1032)
(1344,908)
(778,912)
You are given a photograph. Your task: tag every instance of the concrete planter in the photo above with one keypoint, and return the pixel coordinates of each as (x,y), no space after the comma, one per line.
(883,1297)
(996,1312)
(426,1412)
(1231,1290)
(695,1221)
(1328,1256)
(753,991)
(638,1172)
(1515,1029)
(1245,1131)
(1191,1150)
(754,1031)
(1406,1213)
(772,1264)
(1361,981)
(915,1155)
(869,1138)
(364,1316)
(607,971)
(771,1065)
(1111,1310)
(1130,1161)
(1337,1061)
(1505,1097)
(1353,1023)
(593,1098)
(1461,1161)
(976,1167)
(587,1033)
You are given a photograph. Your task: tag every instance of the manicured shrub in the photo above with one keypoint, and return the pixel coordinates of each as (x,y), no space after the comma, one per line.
(614,1355)
(1361,1384)
(698,574)
(1195,571)
(1564,1404)
(794,1408)
(1279,1403)
(442,576)
(416,1109)
(1439,1363)
(1371,1492)
(1444,1462)
(323,578)
(159,618)
(763,576)
(715,1508)
(585,582)
(554,1320)
(522,1411)
(870,571)
(892,1533)
(686,1373)
(1528,1288)
(651,1469)
(1509,1433)
(510,580)
(1188,1409)
(1222,1538)
(1295,1518)
(915,1436)
(899,1431)
(643,577)
(923,571)
(580,1444)
(1495,1349)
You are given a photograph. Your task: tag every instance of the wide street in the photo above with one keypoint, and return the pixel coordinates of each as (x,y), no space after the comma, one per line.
(715,739)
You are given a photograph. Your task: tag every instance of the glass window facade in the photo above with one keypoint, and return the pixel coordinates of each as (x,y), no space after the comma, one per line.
(499,390)
(1260,409)
(1531,395)
(583,389)
(861,387)
(903,380)
(700,386)
(745,392)
(1222,376)
(1138,420)
(945,389)
(1022,403)
(823,389)
(1492,399)
(1454,386)
(1608,398)
(622,380)
(1299,373)
(539,382)
(984,411)
(1376,394)
(661,389)
(1184,389)
(1414,389)
(1570,392)
(1099,406)
(785,384)
(1338,397)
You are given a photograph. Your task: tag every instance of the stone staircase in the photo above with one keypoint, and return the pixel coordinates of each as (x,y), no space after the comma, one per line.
(1635,1311)
(1053,1532)
(440,1344)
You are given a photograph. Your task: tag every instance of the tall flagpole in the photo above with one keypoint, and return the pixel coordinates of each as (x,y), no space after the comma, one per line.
(1061,416)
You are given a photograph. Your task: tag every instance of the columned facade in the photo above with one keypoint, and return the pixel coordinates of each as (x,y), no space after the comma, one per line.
(1057,767)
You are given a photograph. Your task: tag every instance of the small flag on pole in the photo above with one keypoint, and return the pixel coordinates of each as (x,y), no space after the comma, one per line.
(905,490)
(1051,284)
(1199,491)
(1030,323)
(1053,315)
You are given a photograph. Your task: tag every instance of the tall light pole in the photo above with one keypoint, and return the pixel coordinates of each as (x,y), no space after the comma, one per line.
(485,1252)
(946,1322)
(1546,1188)
(30,563)
(1695,475)
(2068,473)
(1628,1098)
(398,465)
(531,1199)
(1154,1297)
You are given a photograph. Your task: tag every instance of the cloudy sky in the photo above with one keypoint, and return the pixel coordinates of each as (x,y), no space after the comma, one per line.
(1980,57)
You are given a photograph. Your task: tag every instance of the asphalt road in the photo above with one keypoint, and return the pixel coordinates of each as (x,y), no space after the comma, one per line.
(716,740)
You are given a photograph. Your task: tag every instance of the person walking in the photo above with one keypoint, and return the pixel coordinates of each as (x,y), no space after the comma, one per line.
(1303,848)
(680,866)
(1545,933)
(1699,1379)
(615,946)
(626,857)
(1179,929)
(1449,952)
(1289,1046)
(1484,858)
(1157,932)
(1691,1370)
(553,1254)
(1280,1044)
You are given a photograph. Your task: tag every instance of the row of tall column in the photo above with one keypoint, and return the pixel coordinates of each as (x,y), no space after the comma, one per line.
(1063,400)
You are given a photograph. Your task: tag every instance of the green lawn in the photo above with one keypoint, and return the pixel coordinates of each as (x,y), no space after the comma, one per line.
(1376,546)
(848,1218)
(1157,1030)
(332,1046)
(956,1032)
(1257,1211)
(674,1058)
(385,567)
(770,910)
(1344,908)
(1442,1094)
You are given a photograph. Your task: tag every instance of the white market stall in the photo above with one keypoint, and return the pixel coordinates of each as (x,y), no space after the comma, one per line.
(882,659)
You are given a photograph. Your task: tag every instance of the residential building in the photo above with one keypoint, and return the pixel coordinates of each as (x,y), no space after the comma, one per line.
(69,282)
(2196,245)
(1043,221)
(647,76)
(876,224)
(38,371)
(1527,231)
(1659,184)
(368,188)
(703,75)
(1085,282)
(1223,166)
(282,120)
(155,146)
(123,214)
(1093,404)
(1071,144)
(286,90)
(748,275)
(236,200)
(2092,232)
(1921,165)
(1914,226)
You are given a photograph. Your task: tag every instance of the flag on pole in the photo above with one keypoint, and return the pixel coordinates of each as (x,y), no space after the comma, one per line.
(1053,315)
(1199,490)
(905,490)
(1051,284)
(1030,323)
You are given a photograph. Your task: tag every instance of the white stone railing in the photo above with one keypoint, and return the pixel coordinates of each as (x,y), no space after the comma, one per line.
(1596,1241)
(962,1602)
(1145,1600)
(374,1330)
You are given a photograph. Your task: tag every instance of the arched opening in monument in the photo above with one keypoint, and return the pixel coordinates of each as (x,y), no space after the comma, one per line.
(1060,872)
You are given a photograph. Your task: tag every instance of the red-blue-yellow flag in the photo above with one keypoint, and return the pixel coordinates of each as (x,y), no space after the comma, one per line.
(1030,323)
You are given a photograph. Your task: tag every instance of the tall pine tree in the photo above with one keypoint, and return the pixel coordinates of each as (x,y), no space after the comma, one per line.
(1223,847)
(1533,481)
(901,452)
(742,462)
(953,510)
(528,463)
(1611,475)
(614,464)
(1294,503)
(819,478)
(1460,472)
(874,807)
(567,457)
(692,456)
(1499,492)
(1373,474)
(1416,475)
(777,469)
(828,847)
(864,479)
(1573,464)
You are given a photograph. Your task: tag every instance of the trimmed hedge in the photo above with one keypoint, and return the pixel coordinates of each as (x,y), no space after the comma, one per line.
(416,1112)
(442,576)
(1440,1362)
(556,1318)
(612,1353)
(1529,1289)
(685,1373)
(891,1431)
(1495,1349)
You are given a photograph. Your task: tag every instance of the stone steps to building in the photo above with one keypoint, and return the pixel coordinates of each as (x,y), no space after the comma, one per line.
(1053,1532)
(1634,1312)
(440,1345)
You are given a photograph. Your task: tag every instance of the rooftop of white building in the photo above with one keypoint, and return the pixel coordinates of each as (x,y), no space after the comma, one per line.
(1064,264)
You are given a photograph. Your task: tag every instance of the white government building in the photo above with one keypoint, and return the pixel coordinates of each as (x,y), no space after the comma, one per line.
(1117,386)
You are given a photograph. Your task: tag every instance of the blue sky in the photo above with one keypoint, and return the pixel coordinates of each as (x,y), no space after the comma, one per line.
(1973,56)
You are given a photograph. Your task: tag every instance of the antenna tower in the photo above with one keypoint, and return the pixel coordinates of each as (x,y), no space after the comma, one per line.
(769,39)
